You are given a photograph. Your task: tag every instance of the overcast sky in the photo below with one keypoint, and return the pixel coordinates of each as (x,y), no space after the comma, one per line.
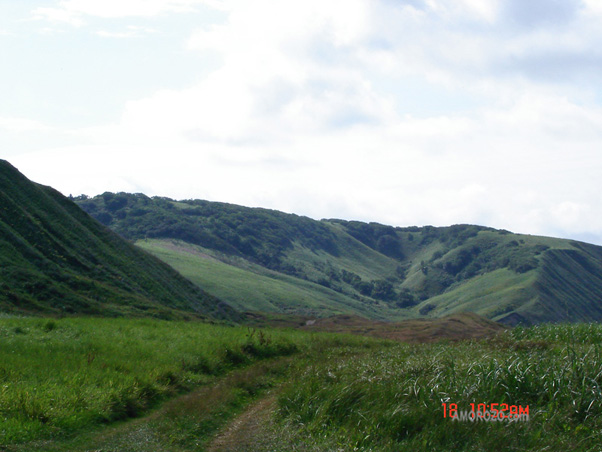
(404,112)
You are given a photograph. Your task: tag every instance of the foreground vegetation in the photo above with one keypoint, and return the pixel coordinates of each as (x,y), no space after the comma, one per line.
(67,384)
(392,400)
(58,377)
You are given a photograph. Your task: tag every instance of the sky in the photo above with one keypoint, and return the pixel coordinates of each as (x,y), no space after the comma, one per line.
(403,112)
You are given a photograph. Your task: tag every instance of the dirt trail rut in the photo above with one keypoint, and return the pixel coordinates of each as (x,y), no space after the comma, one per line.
(249,431)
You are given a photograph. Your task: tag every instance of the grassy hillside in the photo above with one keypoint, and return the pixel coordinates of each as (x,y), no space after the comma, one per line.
(266,260)
(249,286)
(56,259)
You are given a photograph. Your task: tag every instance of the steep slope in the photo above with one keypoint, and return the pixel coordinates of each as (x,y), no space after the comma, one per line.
(573,276)
(262,257)
(289,263)
(54,258)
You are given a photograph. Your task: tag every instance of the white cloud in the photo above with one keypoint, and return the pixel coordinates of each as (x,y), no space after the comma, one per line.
(486,10)
(73,12)
(570,215)
(316,108)
(131,31)
(273,84)
(22,125)
(593,7)
(60,15)
(463,43)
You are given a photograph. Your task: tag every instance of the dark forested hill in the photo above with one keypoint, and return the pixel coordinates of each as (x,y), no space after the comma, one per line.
(259,259)
(54,258)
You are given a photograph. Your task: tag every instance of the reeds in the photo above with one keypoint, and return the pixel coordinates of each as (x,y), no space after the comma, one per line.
(392,399)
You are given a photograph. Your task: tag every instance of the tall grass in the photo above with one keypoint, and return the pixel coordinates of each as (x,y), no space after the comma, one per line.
(392,399)
(59,376)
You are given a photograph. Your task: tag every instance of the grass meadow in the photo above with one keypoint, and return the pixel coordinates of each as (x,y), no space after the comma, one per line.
(391,400)
(69,384)
(58,377)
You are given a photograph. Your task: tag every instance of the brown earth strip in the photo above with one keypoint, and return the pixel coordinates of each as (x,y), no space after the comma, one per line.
(454,327)
(248,431)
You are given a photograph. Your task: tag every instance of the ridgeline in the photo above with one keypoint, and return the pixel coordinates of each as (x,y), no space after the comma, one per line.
(264,260)
(55,259)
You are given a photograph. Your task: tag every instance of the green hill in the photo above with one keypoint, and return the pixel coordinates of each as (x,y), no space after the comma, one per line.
(264,260)
(56,259)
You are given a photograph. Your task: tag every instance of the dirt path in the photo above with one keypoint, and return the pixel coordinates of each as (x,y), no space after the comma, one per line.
(249,431)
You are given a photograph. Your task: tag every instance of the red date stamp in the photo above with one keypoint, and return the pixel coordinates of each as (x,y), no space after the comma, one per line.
(488,412)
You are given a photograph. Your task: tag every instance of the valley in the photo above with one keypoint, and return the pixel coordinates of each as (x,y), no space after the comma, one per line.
(148,324)
(264,260)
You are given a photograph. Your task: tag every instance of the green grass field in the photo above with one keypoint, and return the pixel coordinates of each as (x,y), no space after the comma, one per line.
(77,384)
(392,400)
(60,376)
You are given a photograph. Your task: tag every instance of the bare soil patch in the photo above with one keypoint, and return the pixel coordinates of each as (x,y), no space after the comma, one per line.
(249,431)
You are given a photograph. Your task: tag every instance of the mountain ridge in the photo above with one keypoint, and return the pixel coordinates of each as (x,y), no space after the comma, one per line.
(351,267)
(55,259)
